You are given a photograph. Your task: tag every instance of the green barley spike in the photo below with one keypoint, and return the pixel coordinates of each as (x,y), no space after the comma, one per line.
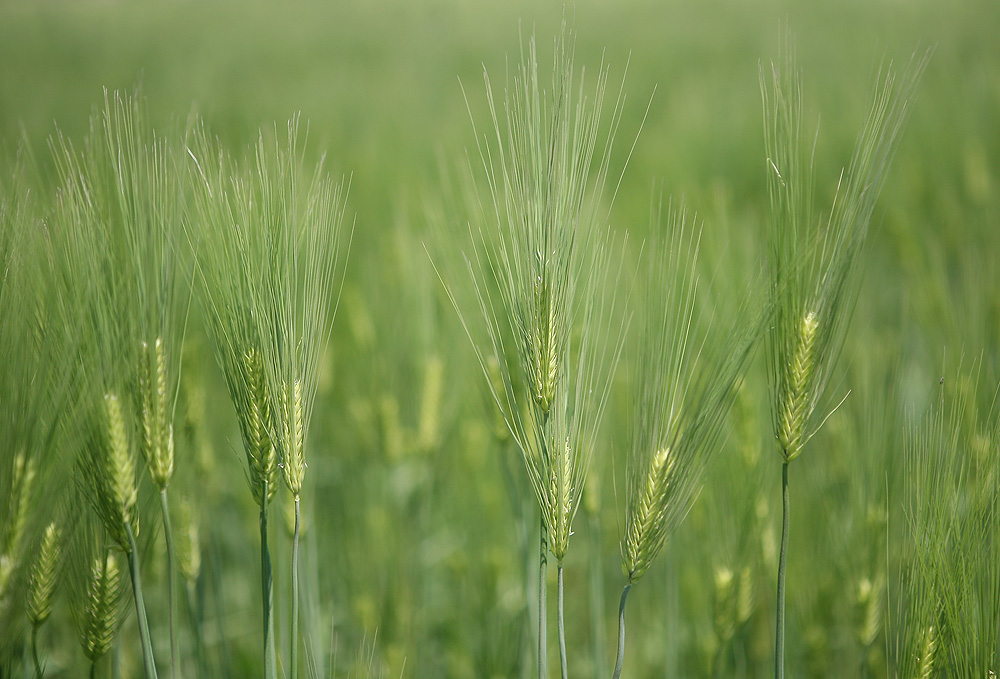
(795,410)
(42,582)
(261,455)
(99,607)
(291,416)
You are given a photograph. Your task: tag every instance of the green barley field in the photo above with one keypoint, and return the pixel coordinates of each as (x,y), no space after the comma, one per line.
(354,339)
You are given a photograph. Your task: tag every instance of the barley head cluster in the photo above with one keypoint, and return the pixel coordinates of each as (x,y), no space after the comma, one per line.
(271,270)
(542,246)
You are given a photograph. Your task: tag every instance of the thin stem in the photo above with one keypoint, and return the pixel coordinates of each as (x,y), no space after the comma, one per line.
(543,549)
(267,593)
(140,607)
(93,669)
(195,620)
(34,650)
(563,664)
(171,582)
(596,593)
(779,645)
(295,593)
(621,632)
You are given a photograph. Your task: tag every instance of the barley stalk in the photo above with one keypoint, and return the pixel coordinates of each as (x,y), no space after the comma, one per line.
(815,273)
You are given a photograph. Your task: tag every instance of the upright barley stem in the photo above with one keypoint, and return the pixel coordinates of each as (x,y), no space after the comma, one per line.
(34,650)
(267,592)
(596,593)
(779,646)
(621,632)
(195,622)
(140,607)
(295,593)
(563,664)
(543,548)
(171,582)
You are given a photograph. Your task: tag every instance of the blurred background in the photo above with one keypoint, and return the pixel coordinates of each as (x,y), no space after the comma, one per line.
(415,508)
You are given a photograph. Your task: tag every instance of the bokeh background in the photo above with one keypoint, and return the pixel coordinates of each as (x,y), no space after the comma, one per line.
(414,543)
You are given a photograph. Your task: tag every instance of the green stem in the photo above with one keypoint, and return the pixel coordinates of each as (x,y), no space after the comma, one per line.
(621,632)
(171,582)
(195,620)
(267,593)
(34,650)
(295,593)
(542,562)
(779,644)
(563,663)
(596,593)
(93,669)
(140,607)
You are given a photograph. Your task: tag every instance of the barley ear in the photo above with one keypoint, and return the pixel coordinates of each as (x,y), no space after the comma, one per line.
(928,652)
(644,533)
(725,603)
(157,430)
(293,464)
(261,456)
(868,611)
(796,406)
(42,581)
(428,431)
(100,607)
(561,498)
(188,544)
(116,490)
(744,596)
(23,479)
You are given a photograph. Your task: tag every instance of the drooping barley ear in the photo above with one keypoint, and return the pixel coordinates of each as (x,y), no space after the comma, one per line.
(42,581)
(157,429)
(100,610)
(293,463)
(796,387)
(262,458)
